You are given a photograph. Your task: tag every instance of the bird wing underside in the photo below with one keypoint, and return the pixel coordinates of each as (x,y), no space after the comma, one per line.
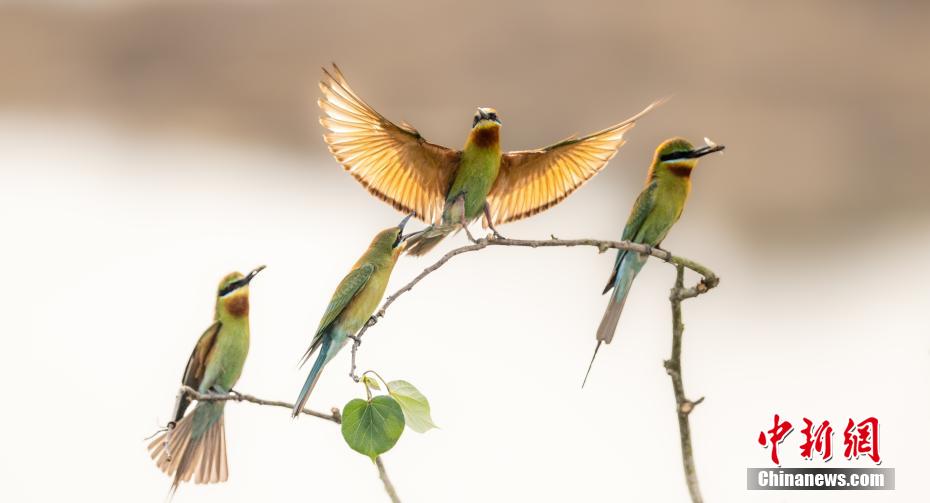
(348,288)
(197,366)
(393,162)
(530,181)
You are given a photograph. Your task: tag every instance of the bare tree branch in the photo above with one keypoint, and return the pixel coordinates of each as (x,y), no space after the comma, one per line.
(240,397)
(679,293)
(334,416)
(708,278)
(673,365)
(684,406)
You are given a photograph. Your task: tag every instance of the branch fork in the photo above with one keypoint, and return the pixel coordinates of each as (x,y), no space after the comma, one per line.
(684,406)
(678,293)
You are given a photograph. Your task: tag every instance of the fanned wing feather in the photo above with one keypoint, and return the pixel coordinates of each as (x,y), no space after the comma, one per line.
(196,366)
(531,181)
(348,288)
(393,162)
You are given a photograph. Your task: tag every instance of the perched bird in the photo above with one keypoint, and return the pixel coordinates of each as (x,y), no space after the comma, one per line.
(451,188)
(194,446)
(353,303)
(654,213)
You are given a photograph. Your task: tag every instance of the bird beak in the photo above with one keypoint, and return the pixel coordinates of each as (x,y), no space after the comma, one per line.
(248,277)
(701,152)
(235,285)
(483,115)
(403,223)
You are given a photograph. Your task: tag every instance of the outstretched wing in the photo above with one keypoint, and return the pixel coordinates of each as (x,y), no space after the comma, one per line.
(531,181)
(348,288)
(393,162)
(196,366)
(641,209)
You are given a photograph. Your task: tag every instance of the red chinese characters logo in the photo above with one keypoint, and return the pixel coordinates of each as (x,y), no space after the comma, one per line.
(862,439)
(859,439)
(776,436)
(819,440)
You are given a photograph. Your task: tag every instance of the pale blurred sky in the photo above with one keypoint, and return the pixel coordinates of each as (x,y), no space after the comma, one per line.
(112,278)
(145,151)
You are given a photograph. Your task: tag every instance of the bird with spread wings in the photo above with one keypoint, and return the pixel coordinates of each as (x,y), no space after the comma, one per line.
(450,188)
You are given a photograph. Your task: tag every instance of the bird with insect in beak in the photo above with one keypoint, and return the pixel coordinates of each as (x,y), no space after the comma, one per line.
(451,188)
(194,446)
(655,211)
(353,303)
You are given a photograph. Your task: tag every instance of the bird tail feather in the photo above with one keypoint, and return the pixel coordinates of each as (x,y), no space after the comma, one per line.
(630,265)
(194,448)
(314,376)
(421,244)
(591,364)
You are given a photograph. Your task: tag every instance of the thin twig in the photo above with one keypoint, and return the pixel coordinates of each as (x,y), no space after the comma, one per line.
(334,416)
(683,406)
(388,486)
(708,278)
(357,340)
(240,397)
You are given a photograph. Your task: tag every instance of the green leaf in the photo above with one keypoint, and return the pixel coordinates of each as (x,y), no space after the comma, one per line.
(414,404)
(372,427)
(371,382)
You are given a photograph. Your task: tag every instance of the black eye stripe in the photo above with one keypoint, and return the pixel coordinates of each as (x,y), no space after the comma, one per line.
(491,116)
(235,285)
(677,155)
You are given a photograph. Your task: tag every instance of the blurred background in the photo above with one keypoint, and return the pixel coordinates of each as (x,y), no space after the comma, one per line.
(147,148)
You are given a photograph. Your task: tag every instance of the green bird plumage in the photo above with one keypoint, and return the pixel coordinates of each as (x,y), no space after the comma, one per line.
(194,446)
(352,304)
(654,213)
(478,169)
(448,188)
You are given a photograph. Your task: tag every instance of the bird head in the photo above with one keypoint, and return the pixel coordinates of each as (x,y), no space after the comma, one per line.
(680,154)
(232,296)
(485,117)
(393,239)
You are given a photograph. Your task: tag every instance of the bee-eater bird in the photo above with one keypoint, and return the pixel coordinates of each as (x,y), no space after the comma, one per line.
(194,446)
(353,303)
(655,211)
(451,188)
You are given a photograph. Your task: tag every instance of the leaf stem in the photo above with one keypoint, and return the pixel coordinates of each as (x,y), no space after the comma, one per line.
(386,387)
